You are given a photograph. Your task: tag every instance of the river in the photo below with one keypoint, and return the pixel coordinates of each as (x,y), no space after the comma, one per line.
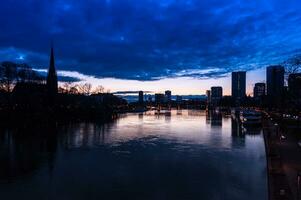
(184,154)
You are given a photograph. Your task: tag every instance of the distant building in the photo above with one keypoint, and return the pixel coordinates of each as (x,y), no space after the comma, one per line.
(275,85)
(238,86)
(168,95)
(294,87)
(140,97)
(259,90)
(208,94)
(294,83)
(216,95)
(52,82)
(159,98)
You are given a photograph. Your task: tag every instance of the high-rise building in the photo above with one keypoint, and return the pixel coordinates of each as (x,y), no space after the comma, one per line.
(141,97)
(208,94)
(216,95)
(52,82)
(294,82)
(168,95)
(294,87)
(275,85)
(259,90)
(238,86)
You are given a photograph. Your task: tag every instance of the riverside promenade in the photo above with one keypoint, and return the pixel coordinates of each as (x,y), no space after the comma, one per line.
(283,162)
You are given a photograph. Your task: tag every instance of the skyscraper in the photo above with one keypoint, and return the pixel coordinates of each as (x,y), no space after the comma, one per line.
(52,84)
(168,95)
(238,86)
(141,97)
(216,95)
(259,90)
(275,84)
(208,94)
(294,86)
(294,83)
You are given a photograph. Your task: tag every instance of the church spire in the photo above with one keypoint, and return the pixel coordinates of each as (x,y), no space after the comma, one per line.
(52,85)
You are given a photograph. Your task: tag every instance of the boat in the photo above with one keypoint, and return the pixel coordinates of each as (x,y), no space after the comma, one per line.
(249,117)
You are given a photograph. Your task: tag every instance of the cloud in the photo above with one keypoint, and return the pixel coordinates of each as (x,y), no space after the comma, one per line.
(151,39)
(65,76)
(130,92)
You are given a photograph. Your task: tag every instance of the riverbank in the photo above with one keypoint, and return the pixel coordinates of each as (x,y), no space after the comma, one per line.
(283,161)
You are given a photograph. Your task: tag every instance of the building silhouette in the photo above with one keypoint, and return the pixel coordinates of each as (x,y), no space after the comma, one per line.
(238,86)
(294,87)
(216,95)
(275,85)
(141,97)
(259,90)
(294,83)
(168,96)
(36,92)
(208,94)
(52,81)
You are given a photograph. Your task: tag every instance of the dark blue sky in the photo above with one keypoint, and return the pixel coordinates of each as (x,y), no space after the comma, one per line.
(151,39)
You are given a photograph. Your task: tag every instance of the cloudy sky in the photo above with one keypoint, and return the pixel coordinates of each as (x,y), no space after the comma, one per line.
(183,45)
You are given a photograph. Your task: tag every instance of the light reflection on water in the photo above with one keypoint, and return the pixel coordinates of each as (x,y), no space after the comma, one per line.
(183,154)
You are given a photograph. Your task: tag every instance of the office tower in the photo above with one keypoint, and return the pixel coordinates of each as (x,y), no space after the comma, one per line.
(259,90)
(141,97)
(294,82)
(294,87)
(168,95)
(208,94)
(238,86)
(216,95)
(275,85)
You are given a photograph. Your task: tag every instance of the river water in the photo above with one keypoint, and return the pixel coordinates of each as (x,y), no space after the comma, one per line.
(183,155)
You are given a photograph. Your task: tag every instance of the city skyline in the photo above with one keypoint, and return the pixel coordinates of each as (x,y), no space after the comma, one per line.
(189,86)
(153,45)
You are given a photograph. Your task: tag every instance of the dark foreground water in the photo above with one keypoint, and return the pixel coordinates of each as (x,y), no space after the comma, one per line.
(179,155)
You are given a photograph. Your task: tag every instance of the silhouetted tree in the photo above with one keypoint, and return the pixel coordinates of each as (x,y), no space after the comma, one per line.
(27,74)
(99,90)
(292,65)
(8,76)
(84,88)
(23,73)
(73,90)
(65,88)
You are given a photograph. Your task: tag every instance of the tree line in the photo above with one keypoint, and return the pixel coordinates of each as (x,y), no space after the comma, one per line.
(12,73)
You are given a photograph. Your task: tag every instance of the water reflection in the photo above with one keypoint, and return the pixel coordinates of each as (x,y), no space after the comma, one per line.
(181,154)
(25,149)
(237,130)
(214,118)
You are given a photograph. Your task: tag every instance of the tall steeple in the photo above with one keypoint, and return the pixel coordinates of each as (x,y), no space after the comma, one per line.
(52,85)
